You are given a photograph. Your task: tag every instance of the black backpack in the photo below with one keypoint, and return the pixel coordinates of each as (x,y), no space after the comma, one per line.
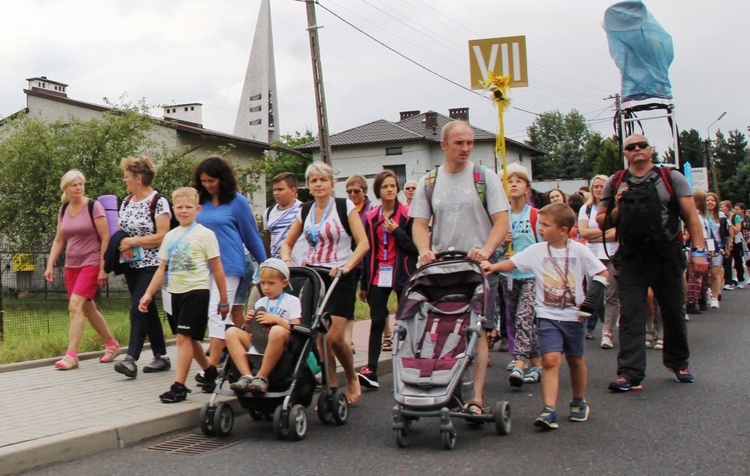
(340,209)
(173,223)
(640,225)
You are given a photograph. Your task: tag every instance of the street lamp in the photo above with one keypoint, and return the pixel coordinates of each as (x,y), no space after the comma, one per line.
(708,152)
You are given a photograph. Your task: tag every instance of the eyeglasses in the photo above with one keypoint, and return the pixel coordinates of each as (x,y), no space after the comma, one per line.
(354,191)
(410,188)
(640,145)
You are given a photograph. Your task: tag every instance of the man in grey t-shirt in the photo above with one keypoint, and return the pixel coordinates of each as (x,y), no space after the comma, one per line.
(460,220)
(660,266)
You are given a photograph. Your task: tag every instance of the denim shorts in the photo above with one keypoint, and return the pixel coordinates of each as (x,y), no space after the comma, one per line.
(568,337)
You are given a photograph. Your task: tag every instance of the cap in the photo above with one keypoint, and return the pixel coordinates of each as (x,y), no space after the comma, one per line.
(277,264)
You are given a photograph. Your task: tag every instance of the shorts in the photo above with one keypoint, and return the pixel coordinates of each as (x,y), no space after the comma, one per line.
(717,260)
(246,281)
(216,325)
(568,337)
(341,302)
(82,281)
(190,313)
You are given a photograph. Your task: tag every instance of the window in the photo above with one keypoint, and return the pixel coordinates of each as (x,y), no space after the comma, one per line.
(393,151)
(400,171)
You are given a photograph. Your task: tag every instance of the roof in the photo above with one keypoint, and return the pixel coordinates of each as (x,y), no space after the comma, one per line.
(409,129)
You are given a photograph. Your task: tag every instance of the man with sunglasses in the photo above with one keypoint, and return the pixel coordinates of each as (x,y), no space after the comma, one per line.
(659,265)
(409,188)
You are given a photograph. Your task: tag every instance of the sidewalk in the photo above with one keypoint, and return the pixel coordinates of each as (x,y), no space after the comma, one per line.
(53,416)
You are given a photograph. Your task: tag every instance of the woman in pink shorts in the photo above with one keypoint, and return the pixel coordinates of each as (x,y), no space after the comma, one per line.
(82,232)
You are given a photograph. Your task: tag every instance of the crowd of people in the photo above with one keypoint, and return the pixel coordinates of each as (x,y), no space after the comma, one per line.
(631,251)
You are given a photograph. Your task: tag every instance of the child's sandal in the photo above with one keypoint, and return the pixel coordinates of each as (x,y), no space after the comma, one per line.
(387,345)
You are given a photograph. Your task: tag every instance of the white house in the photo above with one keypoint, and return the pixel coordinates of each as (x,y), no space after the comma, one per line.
(409,147)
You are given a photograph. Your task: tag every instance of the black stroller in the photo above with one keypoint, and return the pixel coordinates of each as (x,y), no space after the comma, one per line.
(437,327)
(292,382)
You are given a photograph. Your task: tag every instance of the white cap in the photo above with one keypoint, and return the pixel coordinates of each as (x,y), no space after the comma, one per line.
(277,264)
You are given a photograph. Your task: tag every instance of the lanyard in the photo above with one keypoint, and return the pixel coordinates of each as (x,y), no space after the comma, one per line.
(315,227)
(276,306)
(385,235)
(176,242)
(563,274)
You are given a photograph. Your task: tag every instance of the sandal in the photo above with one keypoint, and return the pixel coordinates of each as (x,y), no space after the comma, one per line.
(474,411)
(177,393)
(492,338)
(534,375)
(387,345)
(354,351)
(67,363)
(258,385)
(659,345)
(110,352)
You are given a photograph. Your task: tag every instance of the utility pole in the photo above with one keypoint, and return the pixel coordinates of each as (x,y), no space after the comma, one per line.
(620,123)
(320,98)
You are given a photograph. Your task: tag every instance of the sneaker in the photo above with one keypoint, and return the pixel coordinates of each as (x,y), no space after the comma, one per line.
(692,309)
(649,343)
(511,365)
(703,305)
(741,285)
(516,377)
(534,375)
(209,379)
(579,410)
(110,352)
(177,393)
(659,344)
(368,378)
(547,420)
(242,385)
(607,342)
(127,367)
(682,376)
(259,385)
(160,363)
(199,377)
(624,385)
(714,303)
(67,363)
(590,334)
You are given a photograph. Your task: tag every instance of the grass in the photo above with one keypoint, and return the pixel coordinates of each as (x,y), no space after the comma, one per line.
(36,326)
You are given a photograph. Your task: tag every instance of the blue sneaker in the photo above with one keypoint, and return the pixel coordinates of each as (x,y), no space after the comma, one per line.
(516,377)
(547,420)
(624,385)
(579,410)
(682,376)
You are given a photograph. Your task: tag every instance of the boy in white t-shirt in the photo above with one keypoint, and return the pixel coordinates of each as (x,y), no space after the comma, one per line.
(185,253)
(277,311)
(560,266)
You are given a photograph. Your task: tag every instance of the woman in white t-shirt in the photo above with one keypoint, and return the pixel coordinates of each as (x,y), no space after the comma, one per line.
(589,230)
(330,246)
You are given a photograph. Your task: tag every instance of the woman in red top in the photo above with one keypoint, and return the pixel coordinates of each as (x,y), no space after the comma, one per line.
(387,266)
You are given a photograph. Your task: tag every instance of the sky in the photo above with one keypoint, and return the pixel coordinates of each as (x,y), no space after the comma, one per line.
(179,51)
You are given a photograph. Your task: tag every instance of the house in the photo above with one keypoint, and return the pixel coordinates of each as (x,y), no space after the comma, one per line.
(180,126)
(409,147)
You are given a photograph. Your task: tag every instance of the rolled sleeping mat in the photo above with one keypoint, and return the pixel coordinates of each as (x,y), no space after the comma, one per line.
(109,202)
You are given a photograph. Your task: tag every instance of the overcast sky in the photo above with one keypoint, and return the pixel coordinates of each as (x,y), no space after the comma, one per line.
(177,51)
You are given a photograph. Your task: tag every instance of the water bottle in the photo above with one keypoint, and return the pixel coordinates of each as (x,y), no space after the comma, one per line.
(467,385)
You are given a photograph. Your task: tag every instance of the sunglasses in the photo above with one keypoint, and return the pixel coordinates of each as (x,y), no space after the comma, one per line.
(355,191)
(410,188)
(640,145)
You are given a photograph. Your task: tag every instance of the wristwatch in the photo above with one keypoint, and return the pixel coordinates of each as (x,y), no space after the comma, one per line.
(699,249)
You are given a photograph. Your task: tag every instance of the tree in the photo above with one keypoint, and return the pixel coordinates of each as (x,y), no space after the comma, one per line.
(609,160)
(278,162)
(34,155)
(564,138)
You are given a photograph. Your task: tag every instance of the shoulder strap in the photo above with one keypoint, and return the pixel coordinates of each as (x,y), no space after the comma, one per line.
(90,206)
(306,207)
(429,185)
(341,209)
(268,213)
(62,209)
(480,184)
(533,216)
(152,208)
(619,178)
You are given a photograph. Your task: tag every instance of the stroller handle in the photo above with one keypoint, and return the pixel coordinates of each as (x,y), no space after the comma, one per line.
(451,254)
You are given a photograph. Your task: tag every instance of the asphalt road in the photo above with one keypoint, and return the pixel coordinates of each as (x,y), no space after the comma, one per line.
(669,428)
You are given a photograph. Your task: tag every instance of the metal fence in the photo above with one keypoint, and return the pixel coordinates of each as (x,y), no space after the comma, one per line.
(30,306)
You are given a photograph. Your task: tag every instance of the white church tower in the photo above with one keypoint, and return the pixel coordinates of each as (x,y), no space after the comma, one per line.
(257,115)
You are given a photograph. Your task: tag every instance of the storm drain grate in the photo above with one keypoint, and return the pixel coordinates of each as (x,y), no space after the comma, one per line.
(193,444)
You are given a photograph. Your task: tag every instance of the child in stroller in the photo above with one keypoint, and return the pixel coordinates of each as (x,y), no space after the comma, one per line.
(275,313)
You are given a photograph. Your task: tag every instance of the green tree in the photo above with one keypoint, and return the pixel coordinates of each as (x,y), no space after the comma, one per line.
(609,160)
(35,154)
(564,138)
(279,161)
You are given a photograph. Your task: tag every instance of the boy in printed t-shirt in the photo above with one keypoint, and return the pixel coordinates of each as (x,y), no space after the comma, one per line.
(185,253)
(560,266)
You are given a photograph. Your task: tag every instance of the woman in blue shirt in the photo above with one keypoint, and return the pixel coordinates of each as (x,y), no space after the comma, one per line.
(228,214)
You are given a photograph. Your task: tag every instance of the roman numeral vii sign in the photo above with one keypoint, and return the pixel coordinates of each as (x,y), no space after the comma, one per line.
(503,56)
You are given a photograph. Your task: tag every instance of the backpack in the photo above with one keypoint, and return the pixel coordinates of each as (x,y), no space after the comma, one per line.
(340,209)
(173,222)
(533,217)
(640,225)
(480,171)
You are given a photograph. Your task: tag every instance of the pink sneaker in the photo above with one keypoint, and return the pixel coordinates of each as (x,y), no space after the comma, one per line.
(110,352)
(67,363)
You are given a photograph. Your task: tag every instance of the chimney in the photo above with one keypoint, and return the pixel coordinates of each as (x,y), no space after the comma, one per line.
(407,114)
(191,113)
(461,113)
(430,120)
(48,86)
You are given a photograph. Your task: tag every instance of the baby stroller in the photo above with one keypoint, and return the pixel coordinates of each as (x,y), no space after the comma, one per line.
(437,327)
(292,382)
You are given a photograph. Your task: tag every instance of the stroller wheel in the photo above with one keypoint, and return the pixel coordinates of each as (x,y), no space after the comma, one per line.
(297,422)
(449,439)
(207,420)
(502,418)
(340,407)
(402,438)
(223,419)
(256,415)
(325,408)
(280,425)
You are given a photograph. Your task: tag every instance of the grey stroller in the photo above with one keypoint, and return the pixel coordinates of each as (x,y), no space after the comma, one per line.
(438,324)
